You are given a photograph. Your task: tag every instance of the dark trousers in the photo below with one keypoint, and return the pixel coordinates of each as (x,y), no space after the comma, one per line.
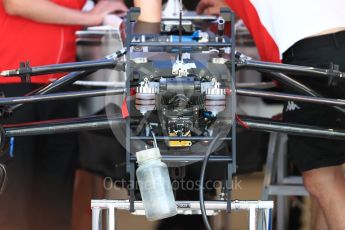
(40,175)
(312,153)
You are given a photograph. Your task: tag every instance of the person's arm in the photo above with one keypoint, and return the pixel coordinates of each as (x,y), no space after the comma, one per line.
(150,10)
(210,7)
(46,11)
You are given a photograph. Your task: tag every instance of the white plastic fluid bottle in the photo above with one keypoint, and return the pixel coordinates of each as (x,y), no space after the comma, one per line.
(155,185)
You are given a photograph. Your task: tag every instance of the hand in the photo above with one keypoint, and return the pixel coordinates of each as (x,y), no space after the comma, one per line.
(104,7)
(210,7)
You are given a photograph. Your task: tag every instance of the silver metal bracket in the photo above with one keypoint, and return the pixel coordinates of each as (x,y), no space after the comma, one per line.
(183,208)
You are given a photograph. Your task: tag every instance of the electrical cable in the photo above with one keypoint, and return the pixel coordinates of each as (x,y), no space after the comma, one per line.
(154,139)
(202,179)
(155,145)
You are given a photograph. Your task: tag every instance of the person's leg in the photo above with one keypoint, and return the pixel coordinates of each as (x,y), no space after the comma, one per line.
(54,168)
(327,186)
(14,199)
(52,185)
(318,219)
(87,186)
(314,156)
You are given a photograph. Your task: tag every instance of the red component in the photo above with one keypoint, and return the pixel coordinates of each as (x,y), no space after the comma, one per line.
(277,83)
(278,117)
(227,28)
(124,109)
(242,123)
(228,91)
(133,92)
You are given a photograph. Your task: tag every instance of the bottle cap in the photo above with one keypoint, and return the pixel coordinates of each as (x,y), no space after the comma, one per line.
(148,154)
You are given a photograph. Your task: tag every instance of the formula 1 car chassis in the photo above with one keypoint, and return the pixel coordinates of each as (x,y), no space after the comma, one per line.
(183,87)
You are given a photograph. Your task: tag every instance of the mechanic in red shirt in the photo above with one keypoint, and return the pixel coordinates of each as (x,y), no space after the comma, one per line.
(42,31)
(40,175)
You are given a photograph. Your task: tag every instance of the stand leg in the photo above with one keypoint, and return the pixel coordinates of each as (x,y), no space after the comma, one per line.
(96,218)
(270,165)
(229,187)
(132,186)
(252,219)
(111,218)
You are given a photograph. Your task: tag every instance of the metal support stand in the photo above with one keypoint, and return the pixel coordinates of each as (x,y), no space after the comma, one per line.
(96,218)
(276,181)
(229,186)
(183,207)
(132,185)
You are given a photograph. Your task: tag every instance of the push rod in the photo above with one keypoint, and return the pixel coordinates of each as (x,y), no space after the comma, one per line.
(59,96)
(57,85)
(291,83)
(291,69)
(292,129)
(109,62)
(62,68)
(286,96)
(295,85)
(62,126)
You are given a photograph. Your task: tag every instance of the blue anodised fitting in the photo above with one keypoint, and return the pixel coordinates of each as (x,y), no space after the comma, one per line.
(186,38)
(11,152)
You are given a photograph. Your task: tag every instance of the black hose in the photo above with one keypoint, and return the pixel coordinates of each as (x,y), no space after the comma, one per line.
(202,179)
